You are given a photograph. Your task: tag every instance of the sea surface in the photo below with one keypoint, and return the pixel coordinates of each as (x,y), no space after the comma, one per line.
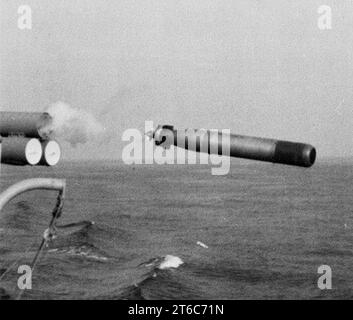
(178,232)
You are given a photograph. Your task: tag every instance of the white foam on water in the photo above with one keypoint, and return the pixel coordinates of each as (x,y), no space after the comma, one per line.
(170,261)
(79,252)
(201,244)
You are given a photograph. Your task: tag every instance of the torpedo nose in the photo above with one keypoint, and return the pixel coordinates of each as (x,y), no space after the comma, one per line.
(294,153)
(309,155)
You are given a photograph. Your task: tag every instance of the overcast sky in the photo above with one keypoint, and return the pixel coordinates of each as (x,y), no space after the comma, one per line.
(256,67)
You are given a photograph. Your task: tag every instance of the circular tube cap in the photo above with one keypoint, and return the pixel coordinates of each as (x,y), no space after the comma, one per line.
(33,151)
(51,153)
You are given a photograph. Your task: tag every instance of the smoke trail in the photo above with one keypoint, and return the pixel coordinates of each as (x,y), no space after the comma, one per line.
(73,125)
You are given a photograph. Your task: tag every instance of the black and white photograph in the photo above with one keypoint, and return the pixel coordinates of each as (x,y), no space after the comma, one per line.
(184,150)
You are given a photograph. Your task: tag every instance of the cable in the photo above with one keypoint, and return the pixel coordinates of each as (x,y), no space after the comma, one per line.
(47,235)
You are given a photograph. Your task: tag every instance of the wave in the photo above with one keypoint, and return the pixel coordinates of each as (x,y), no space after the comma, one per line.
(73,239)
(157,278)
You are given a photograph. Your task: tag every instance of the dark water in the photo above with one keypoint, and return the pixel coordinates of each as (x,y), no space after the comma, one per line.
(267,227)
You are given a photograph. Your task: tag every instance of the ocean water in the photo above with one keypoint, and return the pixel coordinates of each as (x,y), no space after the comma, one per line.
(177,232)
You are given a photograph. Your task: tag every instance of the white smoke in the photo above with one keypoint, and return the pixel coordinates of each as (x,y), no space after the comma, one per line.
(73,125)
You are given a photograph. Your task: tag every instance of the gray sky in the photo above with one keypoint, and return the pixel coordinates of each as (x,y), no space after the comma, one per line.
(256,67)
